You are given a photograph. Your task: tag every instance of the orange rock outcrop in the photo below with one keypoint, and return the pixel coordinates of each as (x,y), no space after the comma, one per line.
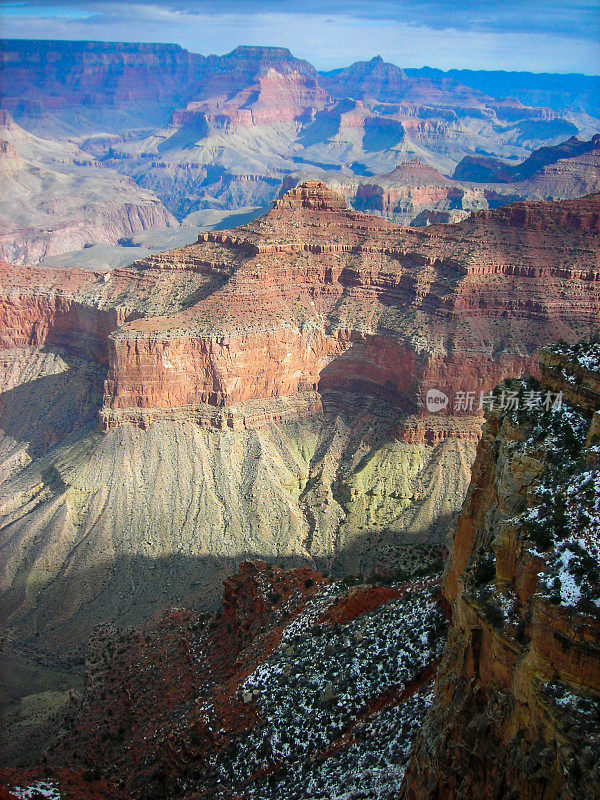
(518,689)
(314,297)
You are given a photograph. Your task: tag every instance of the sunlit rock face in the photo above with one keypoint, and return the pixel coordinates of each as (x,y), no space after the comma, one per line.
(517,696)
(262,393)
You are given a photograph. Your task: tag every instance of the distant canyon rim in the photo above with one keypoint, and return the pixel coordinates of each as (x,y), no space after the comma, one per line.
(126,149)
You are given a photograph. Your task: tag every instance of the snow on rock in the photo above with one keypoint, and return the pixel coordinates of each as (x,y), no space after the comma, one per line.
(38,790)
(315,687)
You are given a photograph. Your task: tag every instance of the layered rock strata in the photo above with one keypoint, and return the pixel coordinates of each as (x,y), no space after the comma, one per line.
(265,396)
(314,297)
(322,298)
(415,193)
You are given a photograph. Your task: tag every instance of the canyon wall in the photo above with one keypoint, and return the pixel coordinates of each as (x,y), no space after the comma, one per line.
(264,397)
(46,77)
(225,131)
(518,689)
(321,298)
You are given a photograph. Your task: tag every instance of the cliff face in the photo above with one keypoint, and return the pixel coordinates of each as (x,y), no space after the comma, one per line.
(270,98)
(258,115)
(417,194)
(411,194)
(114,86)
(264,397)
(223,131)
(46,77)
(323,298)
(518,690)
(480,169)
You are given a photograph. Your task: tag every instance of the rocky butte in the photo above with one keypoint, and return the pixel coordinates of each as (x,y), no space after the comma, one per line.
(261,394)
(323,298)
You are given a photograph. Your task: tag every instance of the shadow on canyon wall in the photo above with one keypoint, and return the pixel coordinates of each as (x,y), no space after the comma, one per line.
(130,590)
(41,412)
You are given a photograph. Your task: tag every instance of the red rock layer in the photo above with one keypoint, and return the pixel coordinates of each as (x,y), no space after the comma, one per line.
(322,297)
(317,297)
(271,99)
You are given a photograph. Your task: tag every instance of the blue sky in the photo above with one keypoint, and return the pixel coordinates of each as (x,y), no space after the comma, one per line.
(541,36)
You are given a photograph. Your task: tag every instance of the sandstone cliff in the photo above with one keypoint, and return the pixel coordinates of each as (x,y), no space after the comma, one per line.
(518,690)
(264,397)
(76,85)
(324,298)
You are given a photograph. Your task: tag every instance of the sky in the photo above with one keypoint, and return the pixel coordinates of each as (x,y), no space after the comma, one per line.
(531,35)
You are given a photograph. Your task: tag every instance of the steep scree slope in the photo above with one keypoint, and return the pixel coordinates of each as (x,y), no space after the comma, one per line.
(56,198)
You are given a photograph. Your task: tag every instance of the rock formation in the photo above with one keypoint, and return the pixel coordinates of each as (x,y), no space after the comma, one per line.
(297,685)
(518,690)
(264,396)
(109,86)
(562,93)
(225,131)
(415,193)
(258,115)
(317,297)
(313,287)
(488,170)
(301,686)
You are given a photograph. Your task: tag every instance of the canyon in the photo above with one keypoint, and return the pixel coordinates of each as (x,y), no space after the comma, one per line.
(302,686)
(261,393)
(364,120)
(56,199)
(150,124)
(299,474)
(417,194)
(271,524)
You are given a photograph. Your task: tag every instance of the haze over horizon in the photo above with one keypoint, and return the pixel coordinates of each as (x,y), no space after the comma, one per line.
(558,36)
